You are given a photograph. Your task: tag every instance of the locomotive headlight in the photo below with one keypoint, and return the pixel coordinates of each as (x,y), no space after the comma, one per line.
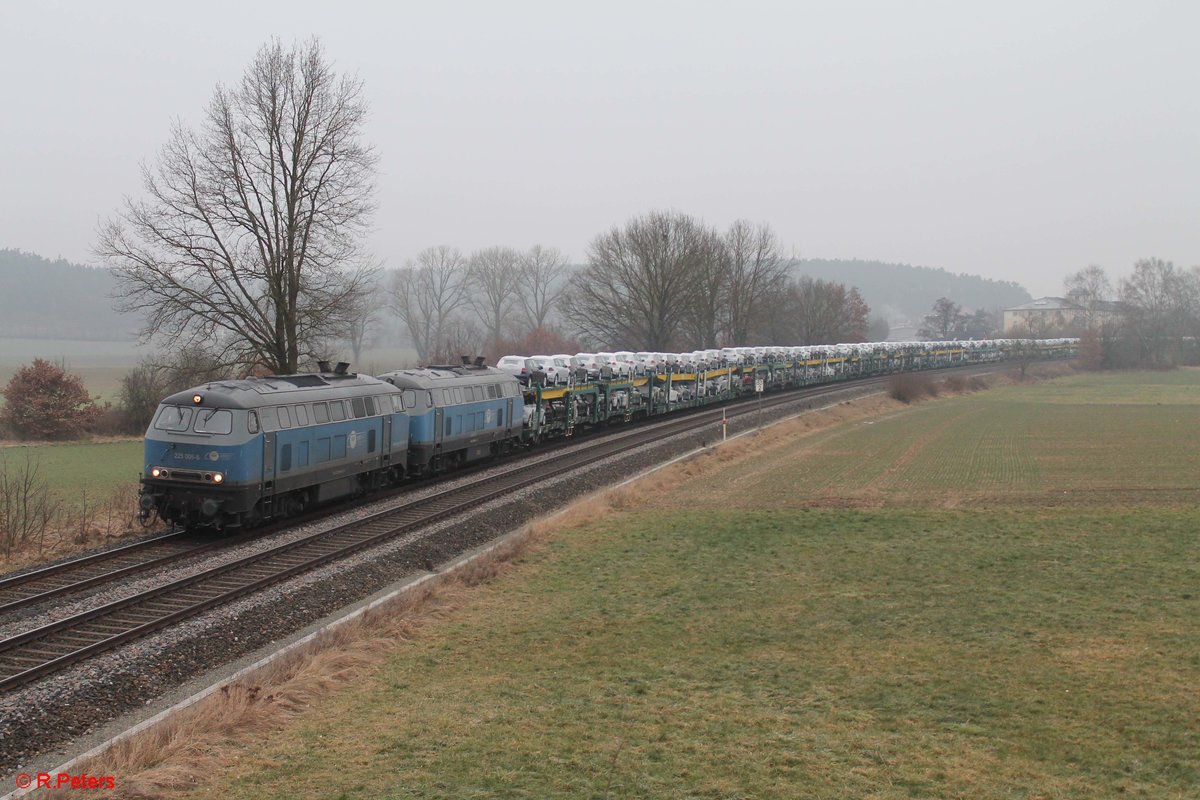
(197,399)
(218,477)
(156,473)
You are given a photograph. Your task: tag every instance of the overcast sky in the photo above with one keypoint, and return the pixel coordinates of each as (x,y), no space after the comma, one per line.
(1017,140)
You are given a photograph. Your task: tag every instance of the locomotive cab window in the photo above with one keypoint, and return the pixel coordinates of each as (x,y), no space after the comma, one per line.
(397,404)
(269,419)
(410,398)
(174,418)
(214,420)
(252,422)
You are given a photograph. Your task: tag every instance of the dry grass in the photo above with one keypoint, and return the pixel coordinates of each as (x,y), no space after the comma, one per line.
(86,524)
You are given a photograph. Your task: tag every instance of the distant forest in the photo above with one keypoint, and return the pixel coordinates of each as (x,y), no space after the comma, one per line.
(44,299)
(900,292)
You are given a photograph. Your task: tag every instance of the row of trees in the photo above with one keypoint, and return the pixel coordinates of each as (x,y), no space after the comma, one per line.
(247,245)
(1150,317)
(450,303)
(663,281)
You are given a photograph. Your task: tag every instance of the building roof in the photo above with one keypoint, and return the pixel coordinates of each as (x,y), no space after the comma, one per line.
(1048,304)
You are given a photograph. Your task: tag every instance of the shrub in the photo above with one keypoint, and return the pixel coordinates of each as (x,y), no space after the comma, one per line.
(43,401)
(956,383)
(908,387)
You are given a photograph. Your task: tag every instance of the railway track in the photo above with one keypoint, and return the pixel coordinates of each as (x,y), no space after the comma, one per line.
(19,591)
(42,651)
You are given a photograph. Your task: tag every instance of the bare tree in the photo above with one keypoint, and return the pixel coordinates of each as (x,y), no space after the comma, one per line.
(1153,297)
(710,290)
(361,318)
(637,286)
(492,274)
(755,271)
(462,337)
(1089,288)
(250,237)
(824,312)
(943,321)
(540,284)
(426,294)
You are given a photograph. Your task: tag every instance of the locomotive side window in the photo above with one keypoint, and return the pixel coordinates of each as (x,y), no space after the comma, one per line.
(410,398)
(448,396)
(360,408)
(500,418)
(458,395)
(449,422)
(430,394)
(252,422)
(337,411)
(369,402)
(214,420)
(492,391)
(285,458)
(320,412)
(301,415)
(285,417)
(174,418)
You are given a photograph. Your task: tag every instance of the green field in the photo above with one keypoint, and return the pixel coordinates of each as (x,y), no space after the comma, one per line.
(72,469)
(103,364)
(821,620)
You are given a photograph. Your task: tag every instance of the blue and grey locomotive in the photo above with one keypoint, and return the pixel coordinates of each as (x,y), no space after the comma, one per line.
(237,452)
(458,414)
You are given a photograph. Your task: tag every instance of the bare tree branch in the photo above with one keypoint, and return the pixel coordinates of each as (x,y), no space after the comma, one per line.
(425,296)
(540,273)
(249,238)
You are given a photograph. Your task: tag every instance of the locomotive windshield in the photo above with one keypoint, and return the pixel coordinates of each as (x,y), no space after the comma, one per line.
(178,419)
(174,418)
(214,420)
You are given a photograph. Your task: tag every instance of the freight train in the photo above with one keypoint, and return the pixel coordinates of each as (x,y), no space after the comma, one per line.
(233,454)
